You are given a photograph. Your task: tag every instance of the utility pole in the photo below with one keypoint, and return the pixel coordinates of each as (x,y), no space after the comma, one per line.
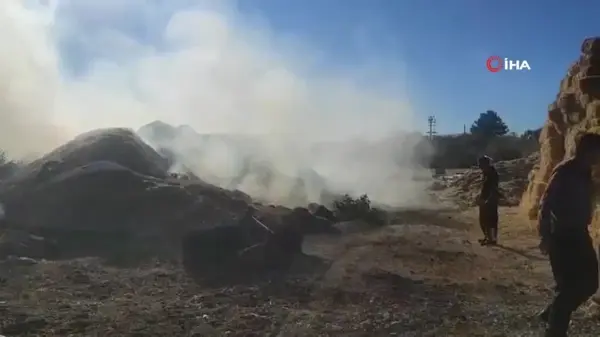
(431,122)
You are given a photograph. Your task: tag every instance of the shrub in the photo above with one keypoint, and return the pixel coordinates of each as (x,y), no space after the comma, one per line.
(347,208)
(7,166)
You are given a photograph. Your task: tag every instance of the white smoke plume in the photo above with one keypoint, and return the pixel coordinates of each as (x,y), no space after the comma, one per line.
(69,66)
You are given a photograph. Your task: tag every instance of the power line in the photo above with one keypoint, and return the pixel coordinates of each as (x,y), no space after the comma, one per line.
(431,121)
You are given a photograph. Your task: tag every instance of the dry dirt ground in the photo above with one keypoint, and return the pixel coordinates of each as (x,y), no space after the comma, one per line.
(424,276)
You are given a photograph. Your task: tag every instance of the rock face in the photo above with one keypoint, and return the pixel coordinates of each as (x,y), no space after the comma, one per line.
(576,110)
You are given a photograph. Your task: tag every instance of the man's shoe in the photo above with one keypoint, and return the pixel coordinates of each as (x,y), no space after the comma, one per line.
(551,333)
(483,241)
(492,237)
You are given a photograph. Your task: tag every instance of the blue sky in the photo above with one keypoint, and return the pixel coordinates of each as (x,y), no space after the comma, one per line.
(435,49)
(444,45)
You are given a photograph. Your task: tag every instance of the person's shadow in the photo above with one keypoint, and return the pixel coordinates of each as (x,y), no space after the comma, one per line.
(520,252)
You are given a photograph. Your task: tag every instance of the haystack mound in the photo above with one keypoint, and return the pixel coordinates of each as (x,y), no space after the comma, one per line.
(108,194)
(117,145)
(106,191)
(513,175)
(576,110)
(91,182)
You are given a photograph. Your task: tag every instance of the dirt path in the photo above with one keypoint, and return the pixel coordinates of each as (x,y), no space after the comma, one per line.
(449,284)
(424,276)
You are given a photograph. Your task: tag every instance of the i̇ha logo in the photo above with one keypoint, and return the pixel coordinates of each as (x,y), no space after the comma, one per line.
(495,63)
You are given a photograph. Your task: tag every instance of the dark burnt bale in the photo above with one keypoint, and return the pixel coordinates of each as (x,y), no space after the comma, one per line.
(324,212)
(108,194)
(282,247)
(254,246)
(307,223)
(276,254)
(21,243)
(209,251)
(215,250)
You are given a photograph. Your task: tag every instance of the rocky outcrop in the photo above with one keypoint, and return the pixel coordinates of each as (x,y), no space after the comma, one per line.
(576,110)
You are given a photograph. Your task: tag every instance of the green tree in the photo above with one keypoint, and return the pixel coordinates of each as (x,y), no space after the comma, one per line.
(489,125)
(7,166)
(532,134)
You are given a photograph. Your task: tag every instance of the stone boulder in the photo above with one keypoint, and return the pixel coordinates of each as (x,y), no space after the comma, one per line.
(575,111)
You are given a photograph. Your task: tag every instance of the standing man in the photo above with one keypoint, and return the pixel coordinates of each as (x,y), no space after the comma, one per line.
(565,212)
(488,201)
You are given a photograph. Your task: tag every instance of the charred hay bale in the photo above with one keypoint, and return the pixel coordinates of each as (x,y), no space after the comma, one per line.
(248,248)
(101,196)
(322,212)
(24,244)
(117,150)
(211,251)
(282,243)
(117,145)
(281,248)
(218,250)
(307,223)
(106,210)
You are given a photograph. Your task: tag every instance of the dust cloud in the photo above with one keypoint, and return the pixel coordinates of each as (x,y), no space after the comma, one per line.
(69,66)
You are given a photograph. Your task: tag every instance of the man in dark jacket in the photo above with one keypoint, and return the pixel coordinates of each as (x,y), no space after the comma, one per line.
(488,201)
(565,212)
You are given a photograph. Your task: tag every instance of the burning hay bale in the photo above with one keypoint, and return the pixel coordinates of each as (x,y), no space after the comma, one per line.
(321,212)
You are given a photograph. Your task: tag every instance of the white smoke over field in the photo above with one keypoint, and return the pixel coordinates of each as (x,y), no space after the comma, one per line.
(68,66)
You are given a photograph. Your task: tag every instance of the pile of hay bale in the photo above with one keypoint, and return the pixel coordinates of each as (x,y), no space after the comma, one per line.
(514,174)
(575,111)
(110,195)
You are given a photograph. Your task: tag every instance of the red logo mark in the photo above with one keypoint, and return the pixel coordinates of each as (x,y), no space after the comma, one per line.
(494,64)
